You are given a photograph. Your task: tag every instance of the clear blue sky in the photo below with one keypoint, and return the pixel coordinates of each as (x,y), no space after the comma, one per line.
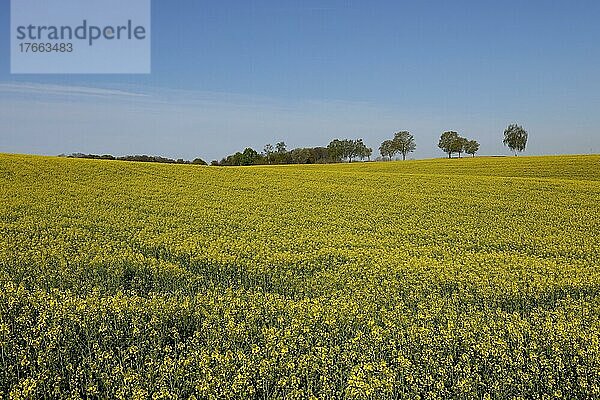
(226,75)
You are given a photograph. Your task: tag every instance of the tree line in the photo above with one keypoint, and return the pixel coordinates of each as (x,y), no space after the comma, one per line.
(136,158)
(338,150)
(348,150)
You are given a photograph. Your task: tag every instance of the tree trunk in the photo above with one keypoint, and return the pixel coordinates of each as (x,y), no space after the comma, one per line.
(403,156)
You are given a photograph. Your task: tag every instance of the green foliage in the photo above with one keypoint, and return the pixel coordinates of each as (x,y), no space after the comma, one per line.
(301,156)
(388,149)
(460,145)
(280,147)
(268,152)
(420,279)
(135,158)
(515,137)
(449,142)
(471,147)
(249,157)
(404,143)
(347,149)
(277,155)
(362,151)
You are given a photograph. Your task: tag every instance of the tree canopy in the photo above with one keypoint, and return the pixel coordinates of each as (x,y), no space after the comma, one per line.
(460,145)
(451,142)
(471,147)
(448,142)
(404,143)
(387,149)
(347,149)
(515,137)
(136,158)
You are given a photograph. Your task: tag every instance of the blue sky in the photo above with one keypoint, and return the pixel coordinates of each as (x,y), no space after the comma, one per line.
(226,75)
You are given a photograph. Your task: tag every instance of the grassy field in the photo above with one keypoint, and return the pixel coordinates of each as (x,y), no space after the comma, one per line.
(434,279)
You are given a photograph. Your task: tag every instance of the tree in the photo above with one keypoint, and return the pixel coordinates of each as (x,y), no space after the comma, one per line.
(448,142)
(387,149)
(301,156)
(199,161)
(351,148)
(459,145)
(335,148)
(515,137)
(471,147)
(346,149)
(280,147)
(319,154)
(361,150)
(249,156)
(233,159)
(404,143)
(365,152)
(268,152)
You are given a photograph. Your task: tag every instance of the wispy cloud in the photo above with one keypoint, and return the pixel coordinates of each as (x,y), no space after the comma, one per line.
(59,90)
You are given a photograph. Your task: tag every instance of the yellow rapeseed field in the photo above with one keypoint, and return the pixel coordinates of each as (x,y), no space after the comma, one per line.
(472,278)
